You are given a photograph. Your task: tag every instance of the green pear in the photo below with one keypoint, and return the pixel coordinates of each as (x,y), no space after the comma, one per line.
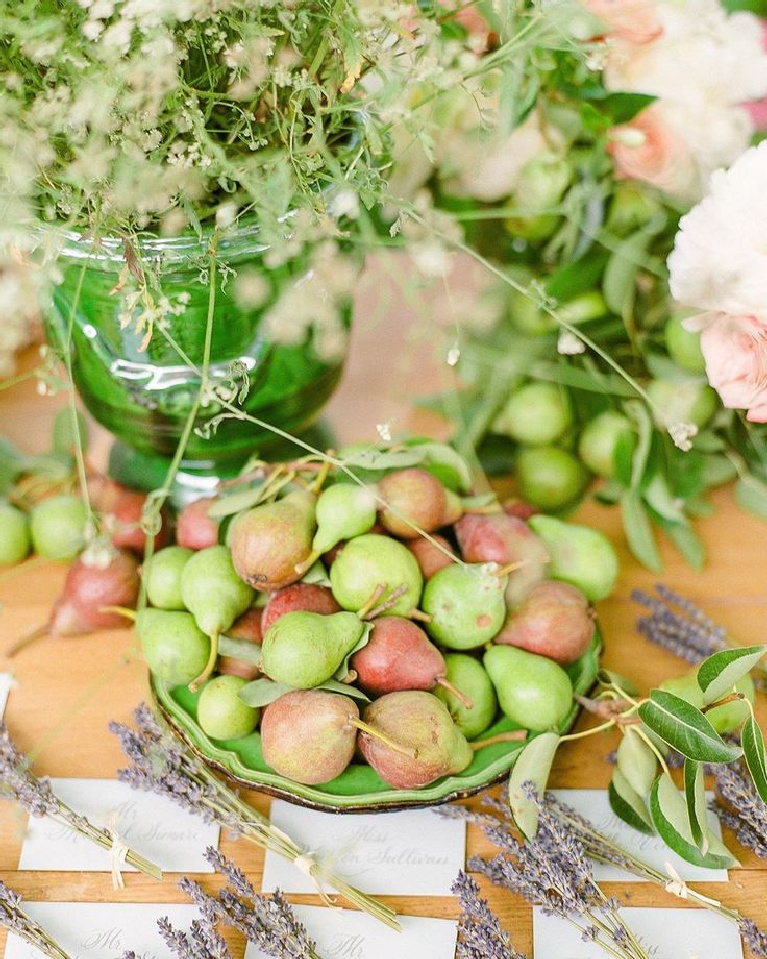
(302,649)
(369,562)
(411,740)
(579,555)
(57,527)
(221,713)
(466,604)
(270,543)
(601,438)
(724,718)
(15,541)
(174,647)
(212,591)
(468,676)
(344,510)
(534,692)
(162,577)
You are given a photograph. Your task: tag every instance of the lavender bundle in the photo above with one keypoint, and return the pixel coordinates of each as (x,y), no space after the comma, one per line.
(13,917)
(35,796)
(161,763)
(678,625)
(267,922)
(552,871)
(480,935)
(202,942)
(743,809)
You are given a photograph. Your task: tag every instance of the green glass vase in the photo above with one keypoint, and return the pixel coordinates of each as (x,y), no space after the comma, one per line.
(143,392)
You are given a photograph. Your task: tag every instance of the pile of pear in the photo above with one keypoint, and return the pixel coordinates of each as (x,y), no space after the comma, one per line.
(390,624)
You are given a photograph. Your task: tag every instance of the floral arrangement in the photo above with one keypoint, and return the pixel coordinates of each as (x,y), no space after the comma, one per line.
(570,190)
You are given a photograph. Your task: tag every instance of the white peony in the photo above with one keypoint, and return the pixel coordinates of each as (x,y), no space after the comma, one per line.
(719,261)
(703,66)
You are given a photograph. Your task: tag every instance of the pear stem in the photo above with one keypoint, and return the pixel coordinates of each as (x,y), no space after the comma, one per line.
(454,691)
(305,565)
(512,736)
(510,568)
(419,614)
(28,639)
(387,604)
(196,683)
(371,601)
(371,731)
(122,610)
(322,475)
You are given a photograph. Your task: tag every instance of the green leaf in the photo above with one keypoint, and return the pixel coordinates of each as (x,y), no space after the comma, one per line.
(533,764)
(669,815)
(751,494)
(695,795)
(239,649)
(444,462)
(660,498)
(641,540)
(627,804)
(753,749)
(637,762)
(316,574)
(607,677)
(263,691)
(623,107)
(645,429)
(344,689)
(718,674)
(235,502)
(344,669)
(689,544)
(685,728)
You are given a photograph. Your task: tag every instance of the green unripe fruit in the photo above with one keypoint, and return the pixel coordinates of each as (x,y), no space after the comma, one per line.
(682,401)
(536,414)
(632,207)
(303,649)
(578,555)
(549,478)
(368,561)
(221,713)
(466,604)
(684,346)
(174,648)
(162,577)
(15,540)
(601,439)
(534,692)
(541,183)
(212,590)
(344,511)
(57,526)
(527,316)
(469,677)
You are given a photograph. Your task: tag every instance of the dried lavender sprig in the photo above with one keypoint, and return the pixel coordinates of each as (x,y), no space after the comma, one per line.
(480,935)
(35,795)
(201,942)
(678,625)
(552,871)
(162,763)
(745,811)
(13,917)
(266,921)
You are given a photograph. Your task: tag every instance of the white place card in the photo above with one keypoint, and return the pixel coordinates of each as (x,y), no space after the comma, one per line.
(6,684)
(664,934)
(343,934)
(170,837)
(102,930)
(594,805)
(410,853)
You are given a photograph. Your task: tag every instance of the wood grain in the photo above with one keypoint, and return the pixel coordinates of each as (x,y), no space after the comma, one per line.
(68,690)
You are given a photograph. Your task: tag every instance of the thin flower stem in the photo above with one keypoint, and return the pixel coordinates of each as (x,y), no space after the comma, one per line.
(571,737)
(78,441)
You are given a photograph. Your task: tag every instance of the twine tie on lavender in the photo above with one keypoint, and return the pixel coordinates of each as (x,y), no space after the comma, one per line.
(306,863)
(117,853)
(676,886)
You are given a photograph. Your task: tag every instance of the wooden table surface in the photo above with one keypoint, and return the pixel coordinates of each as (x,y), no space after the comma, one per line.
(68,690)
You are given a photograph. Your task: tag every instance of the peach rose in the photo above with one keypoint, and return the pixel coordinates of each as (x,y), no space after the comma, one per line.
(735,350)
(633,21)
(648,149)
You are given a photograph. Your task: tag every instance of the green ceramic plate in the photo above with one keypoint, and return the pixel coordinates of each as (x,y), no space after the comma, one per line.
(358,788)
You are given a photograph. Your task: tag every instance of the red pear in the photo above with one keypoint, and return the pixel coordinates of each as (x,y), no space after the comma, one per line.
(430,558)
(306,596)
(413,495)
(248,628)
(194,528)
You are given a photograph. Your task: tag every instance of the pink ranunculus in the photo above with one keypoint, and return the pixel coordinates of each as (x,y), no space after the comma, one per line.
(735,350)
(647,149)
(633,21)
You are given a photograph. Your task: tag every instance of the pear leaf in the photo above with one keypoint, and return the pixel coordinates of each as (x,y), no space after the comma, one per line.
(316,574)
(533,764)
(719,673)
(236,502)
(695,795)
(239,649)
(669,815)
(344,669)
(685,728)
(628,805)
(637,762)
(263,691)
(753,749)
(609,678)
(343,689)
